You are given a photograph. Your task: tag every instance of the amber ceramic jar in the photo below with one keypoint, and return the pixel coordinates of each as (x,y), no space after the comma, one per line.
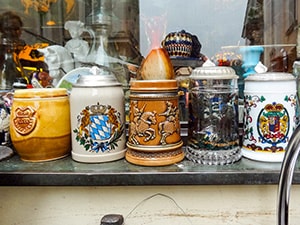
(40,124)
(154,126)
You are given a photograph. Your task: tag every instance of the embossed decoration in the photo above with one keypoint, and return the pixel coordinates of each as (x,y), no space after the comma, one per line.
(145,125)
(25,120)
(99,128)
(158,154)
(171,124)
(141,124)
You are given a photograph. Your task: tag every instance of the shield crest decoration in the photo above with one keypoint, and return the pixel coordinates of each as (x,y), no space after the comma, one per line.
(100,128)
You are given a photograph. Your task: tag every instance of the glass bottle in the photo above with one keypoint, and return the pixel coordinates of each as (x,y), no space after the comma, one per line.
(10,66)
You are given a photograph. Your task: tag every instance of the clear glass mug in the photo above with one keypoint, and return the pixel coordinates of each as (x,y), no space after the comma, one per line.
(213,137)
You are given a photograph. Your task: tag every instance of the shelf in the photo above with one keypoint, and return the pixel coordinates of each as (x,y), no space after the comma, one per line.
(66,172)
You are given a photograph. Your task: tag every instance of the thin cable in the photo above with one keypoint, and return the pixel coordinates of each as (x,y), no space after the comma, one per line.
(163,195)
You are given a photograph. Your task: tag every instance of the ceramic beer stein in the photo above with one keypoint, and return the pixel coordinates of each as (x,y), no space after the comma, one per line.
(154,126)
(40,124)
(269,118)
(97,119)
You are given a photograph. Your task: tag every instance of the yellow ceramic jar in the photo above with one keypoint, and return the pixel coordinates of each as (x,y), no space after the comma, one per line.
(40,124)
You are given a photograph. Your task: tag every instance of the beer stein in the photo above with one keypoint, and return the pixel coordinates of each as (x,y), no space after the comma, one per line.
(154,126)
(213,137)
(270,115)
(97,119)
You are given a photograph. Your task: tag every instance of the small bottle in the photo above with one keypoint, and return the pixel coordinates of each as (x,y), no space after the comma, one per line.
(10,66)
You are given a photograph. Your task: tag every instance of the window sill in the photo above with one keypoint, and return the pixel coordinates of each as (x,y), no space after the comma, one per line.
(66,172)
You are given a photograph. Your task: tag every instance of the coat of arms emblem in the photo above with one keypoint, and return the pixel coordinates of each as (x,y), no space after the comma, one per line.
(25,120)
(99,128)
(273,124)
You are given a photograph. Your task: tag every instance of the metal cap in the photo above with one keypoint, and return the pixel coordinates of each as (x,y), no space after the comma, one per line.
(270,76)
(97,81)
(214,72)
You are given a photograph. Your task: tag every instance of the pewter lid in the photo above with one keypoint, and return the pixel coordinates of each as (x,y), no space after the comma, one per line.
(97,77)
(214,72)
(97,81)
(270,76)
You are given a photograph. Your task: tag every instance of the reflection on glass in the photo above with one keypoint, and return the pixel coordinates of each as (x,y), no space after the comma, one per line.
(221,27)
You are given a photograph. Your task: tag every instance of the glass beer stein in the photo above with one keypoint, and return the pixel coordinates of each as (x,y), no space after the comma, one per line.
(213,116)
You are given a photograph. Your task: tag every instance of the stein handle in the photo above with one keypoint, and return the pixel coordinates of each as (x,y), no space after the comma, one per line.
(93,36)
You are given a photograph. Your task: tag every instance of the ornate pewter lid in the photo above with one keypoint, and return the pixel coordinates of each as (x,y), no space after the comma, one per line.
(214,72)
(96,79)
(270,76)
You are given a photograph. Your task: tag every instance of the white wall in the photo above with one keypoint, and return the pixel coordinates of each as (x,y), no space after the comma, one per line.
(213,205)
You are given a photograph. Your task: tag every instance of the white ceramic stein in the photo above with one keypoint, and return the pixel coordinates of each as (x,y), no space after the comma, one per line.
(97,119)
(269,118)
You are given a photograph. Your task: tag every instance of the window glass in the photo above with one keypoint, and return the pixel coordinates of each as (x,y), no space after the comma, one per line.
(220,25)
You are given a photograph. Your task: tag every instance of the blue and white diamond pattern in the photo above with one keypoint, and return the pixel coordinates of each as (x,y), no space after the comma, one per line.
(99,127)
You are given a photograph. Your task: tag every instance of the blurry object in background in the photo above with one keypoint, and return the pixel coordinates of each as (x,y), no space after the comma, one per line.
(251,56)
(184,50)
(20,83)
(183,94)
(178,44)
(253,29)
(44,5)
(260,68)
(39,5)
(182,45)
(43,78)
(10,66)
(4,123)
(155,27)
(10,46)
(279,62)
(227,58)
(233,60)
(32,60)
(69,5)
(77,46)
(11,28)
(58,60)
